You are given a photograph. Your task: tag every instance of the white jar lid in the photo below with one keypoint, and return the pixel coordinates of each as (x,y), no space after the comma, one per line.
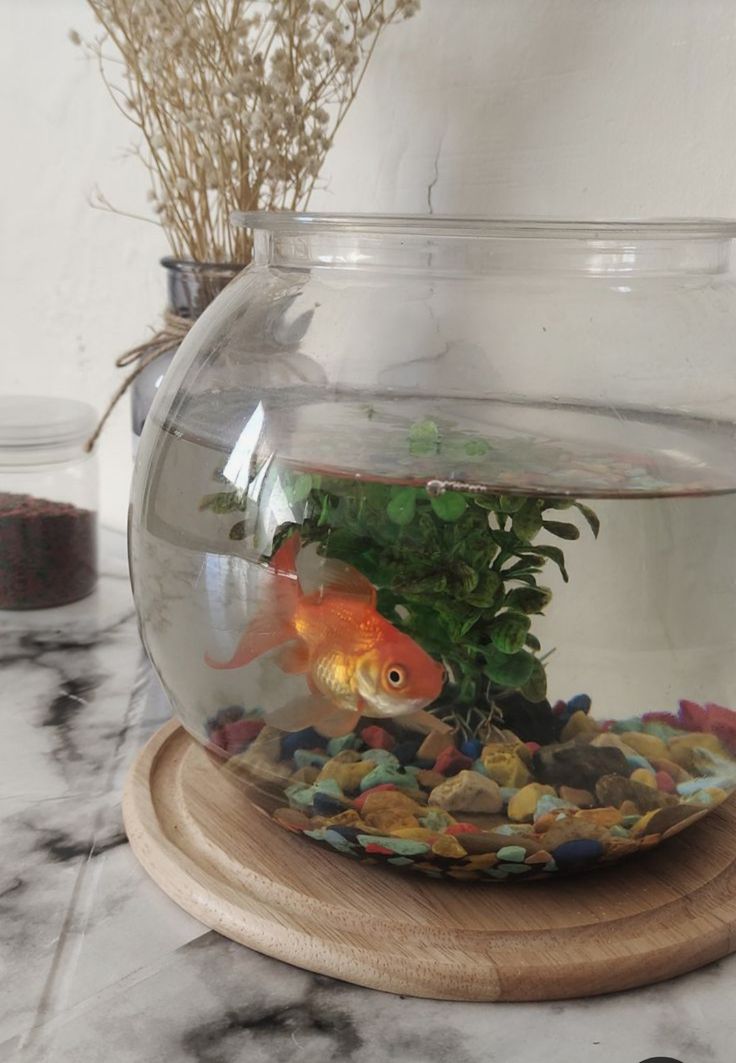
(43,421)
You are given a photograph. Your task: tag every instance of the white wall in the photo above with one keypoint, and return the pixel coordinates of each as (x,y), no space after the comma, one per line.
(559,107)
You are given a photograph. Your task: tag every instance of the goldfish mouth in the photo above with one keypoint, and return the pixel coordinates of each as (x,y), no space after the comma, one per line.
(380,704)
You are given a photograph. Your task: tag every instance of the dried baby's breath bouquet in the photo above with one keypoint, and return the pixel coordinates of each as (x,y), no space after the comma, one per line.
(237,101)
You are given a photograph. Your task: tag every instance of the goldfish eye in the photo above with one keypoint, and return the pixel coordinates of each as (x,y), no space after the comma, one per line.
(396,676)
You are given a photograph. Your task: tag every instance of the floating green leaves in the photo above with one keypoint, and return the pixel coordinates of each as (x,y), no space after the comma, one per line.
(449,506)
(424,438)
(402,505)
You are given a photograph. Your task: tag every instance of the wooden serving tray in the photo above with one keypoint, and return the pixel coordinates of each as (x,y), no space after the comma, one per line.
(222,859)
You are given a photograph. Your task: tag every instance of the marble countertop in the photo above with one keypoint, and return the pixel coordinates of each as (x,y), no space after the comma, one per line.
(96,964)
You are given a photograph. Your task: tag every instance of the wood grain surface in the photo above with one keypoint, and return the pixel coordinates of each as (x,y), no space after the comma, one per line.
(221,858)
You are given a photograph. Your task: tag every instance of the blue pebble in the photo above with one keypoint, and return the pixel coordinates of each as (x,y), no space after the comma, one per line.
(579,703)
(472,748)
(336,839)
(399,861)
(693,786)
(348,834)
(550,803)
(405,752)
(305,758)
(632,723)
(380,756)
(329,786)
(635,760)
(337,745)
(326,805)
(306,739)
(577,853)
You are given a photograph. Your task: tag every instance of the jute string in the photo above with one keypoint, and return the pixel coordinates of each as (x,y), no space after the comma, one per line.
(173,332)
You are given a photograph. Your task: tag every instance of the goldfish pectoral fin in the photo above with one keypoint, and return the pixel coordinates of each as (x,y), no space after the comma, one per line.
(424,722)
(260,636)
(340,723)
(301,712)
(294,658)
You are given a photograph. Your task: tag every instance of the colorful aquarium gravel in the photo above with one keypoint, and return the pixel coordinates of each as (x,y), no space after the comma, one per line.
(506,809)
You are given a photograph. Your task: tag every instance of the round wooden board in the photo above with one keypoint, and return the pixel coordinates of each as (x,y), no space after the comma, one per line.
(653,916)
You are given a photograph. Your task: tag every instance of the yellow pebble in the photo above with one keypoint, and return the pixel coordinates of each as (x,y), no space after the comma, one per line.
(447,845)
(681,748)
(645,745)
(645,777)
(717,794)
(415,834)
(390,821)
(483,860)
(395,800)
(505,767)
(522,805)
(579,724)
(347,776)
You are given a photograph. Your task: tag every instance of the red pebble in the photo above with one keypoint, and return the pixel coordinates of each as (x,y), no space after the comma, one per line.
(532,746)
(463,828)
(377,738)
(692,716)
(559,708)
(665,782)
(374,848)
(234,737)
(451,761)
(360,801)
(662,717)
(721,722)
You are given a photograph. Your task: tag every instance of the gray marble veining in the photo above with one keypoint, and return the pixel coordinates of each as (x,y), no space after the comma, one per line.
(96,964)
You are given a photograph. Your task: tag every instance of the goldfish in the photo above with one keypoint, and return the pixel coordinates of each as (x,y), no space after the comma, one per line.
(355,662)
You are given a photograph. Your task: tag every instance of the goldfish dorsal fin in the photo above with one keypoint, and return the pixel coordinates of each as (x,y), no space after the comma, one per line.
(322,575)
(284,560)
(338,577)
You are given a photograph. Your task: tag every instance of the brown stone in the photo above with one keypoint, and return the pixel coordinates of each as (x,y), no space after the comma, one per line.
(581,798)
(615,789)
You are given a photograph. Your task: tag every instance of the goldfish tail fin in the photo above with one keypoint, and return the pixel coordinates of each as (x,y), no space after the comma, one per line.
(274,624)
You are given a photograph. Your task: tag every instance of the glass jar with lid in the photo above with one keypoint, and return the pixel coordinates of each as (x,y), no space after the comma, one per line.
(431,536)
(48,502)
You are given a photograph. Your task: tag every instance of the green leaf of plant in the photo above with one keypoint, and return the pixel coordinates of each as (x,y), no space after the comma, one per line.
(224,502)
(561,529)
(510,670)
(527,522)
(298,489)
(485,593)
(402,506)
(535,688)
(528,599)
(450,506)
(237,531)
(510,503)
(487,502)
(553,553)
(508,631)
(533,642)
(591,517)
(463,578)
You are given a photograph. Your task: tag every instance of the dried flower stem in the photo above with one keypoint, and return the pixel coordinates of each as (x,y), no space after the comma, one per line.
(236,102)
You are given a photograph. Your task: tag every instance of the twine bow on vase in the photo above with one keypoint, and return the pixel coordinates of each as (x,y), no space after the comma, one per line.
(174,330)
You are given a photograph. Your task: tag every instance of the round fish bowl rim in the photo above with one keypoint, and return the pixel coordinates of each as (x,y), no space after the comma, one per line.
(299,222)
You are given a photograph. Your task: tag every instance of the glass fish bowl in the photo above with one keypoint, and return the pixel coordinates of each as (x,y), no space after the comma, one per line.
(432,537)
